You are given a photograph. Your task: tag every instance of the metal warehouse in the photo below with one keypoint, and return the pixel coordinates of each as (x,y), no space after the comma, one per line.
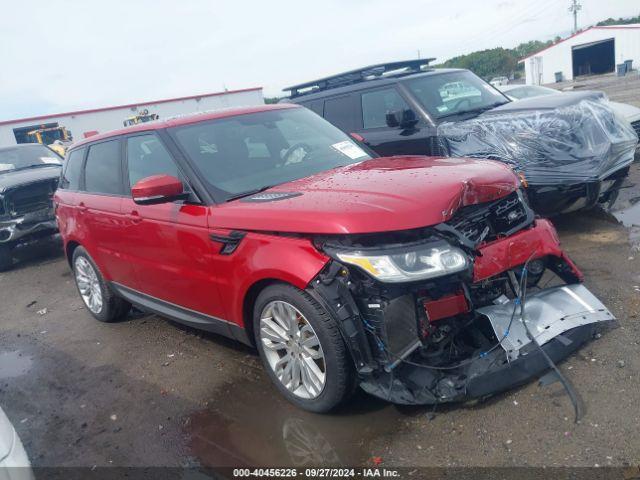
(593,51)
(85,123)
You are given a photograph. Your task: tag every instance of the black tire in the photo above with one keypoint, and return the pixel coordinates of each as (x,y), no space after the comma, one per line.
(340,375)
(6,256)
(113,307)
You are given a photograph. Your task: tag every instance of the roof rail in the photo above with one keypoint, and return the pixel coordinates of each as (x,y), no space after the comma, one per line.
(356,76)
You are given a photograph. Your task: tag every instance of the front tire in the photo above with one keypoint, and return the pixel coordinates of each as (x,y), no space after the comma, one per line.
(302,349)
(96,294)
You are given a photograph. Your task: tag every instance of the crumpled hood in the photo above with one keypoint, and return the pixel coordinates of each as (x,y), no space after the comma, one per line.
(378,195)
(571,142)
(12,179)
(546,102)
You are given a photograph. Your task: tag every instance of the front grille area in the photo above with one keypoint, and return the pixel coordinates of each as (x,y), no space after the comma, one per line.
(488,221)
(636,127)
(30,198)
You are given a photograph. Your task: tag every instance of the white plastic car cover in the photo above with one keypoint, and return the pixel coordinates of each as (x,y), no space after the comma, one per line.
(582,142)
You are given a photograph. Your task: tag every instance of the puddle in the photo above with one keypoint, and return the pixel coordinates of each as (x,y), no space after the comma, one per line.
(249,423)
(14,364)
(630,218)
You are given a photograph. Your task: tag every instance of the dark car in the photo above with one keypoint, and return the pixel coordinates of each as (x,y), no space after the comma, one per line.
(573,150)
(29,175)
(269,225)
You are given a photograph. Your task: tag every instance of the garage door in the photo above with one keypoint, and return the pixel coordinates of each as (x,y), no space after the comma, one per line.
(594,58)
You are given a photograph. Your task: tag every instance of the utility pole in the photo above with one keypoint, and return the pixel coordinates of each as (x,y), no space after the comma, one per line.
(575,8)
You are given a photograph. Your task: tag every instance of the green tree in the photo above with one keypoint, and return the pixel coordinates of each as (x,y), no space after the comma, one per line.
(619,21)
(486,63)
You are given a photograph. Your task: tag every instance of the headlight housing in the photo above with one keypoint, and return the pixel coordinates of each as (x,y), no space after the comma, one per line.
(408,264)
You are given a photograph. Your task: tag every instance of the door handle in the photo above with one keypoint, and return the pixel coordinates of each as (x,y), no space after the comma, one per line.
(134,216)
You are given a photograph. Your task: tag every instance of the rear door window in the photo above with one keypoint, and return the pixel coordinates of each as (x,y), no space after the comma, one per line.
(376,105)
(340,111)
(147,156)
(103,170)
(73,167)
(314,106)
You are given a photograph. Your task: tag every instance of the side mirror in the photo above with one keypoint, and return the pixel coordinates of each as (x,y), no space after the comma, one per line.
(404,119)
(393,119)
(158,189)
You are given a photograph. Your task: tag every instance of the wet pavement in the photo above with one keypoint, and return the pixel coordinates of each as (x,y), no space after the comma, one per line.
(146,391)
(14,364)
(627,212)
(246,431)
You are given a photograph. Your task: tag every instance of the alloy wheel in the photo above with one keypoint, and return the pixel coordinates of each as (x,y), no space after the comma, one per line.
(88,284)
(292,349)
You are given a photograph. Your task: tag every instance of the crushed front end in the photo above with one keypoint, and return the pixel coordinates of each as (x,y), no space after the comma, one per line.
(461,310)
(26,211)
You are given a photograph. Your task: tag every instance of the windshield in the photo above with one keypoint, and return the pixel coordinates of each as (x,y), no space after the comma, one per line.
(530,91)
(246,153)
(449,94)
(27,157)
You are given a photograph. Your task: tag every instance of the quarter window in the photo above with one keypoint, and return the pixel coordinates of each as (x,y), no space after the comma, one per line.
(376,105)
(146,157)
(73,166)
(103,171)
(339,111)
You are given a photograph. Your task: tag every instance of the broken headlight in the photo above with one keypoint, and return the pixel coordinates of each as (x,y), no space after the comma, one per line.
(419,262)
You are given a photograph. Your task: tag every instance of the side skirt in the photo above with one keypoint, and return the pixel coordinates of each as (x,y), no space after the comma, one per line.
(182,315)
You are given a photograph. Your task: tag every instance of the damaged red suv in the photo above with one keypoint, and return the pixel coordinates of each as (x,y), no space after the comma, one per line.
(407,276)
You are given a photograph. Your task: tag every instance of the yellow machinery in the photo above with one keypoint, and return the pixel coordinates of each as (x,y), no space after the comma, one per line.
(53,137)
(142,117)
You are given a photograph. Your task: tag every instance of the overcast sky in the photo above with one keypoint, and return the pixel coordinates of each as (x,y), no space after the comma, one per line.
(60,55)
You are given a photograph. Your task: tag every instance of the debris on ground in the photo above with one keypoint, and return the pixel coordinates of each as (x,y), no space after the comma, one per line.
(113,417)
(42,312)
(32,303)
(621,363)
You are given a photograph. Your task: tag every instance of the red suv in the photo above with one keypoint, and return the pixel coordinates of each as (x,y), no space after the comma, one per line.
(407,276)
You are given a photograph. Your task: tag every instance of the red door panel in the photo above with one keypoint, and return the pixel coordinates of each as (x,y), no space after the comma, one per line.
(103,220)
(172,254)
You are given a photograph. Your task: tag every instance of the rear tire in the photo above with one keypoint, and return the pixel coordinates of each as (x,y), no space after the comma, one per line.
(321,373)
(6,257)
(98,297)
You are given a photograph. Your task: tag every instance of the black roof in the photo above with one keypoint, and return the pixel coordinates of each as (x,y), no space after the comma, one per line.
(318,93)
(358,75)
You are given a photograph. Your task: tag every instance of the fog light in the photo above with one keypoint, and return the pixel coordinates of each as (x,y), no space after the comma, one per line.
(5,235)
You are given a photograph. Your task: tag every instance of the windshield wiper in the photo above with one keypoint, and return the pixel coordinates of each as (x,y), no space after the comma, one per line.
(473,110)
(248,193)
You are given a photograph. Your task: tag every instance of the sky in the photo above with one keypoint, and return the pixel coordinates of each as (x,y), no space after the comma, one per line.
(63,55)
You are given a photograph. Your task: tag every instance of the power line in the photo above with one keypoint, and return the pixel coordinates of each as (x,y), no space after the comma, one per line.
(498,30)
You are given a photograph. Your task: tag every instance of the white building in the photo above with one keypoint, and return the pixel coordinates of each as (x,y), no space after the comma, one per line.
(85,123)
(592,51)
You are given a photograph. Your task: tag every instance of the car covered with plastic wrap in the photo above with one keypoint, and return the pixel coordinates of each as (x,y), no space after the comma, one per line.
(572,151)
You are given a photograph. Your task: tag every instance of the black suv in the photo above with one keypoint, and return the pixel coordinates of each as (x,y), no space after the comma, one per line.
(572,149)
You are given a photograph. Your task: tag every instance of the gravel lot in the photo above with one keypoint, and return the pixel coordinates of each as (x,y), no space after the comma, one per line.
(619,89)
(146,391)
